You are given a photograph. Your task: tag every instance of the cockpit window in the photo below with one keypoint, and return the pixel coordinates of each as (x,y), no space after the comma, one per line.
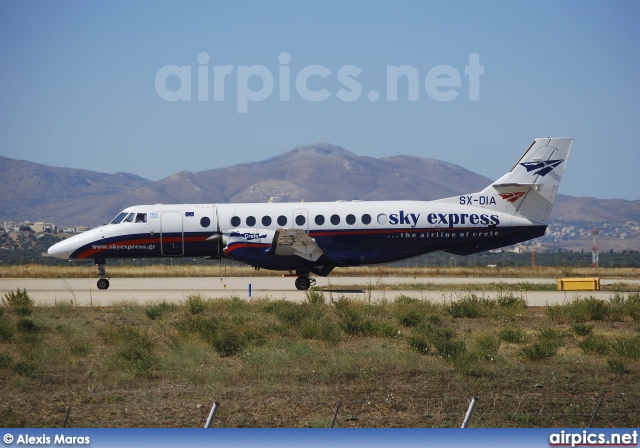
(130,217)
(141,217)
(118,218)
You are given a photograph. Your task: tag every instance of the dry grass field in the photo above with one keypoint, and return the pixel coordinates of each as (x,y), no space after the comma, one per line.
(272,363)
(212,270)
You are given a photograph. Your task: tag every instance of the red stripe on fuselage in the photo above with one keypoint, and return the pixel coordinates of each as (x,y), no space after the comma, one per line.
(246,246)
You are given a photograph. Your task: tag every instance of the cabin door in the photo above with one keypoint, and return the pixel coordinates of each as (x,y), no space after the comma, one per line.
(171,234)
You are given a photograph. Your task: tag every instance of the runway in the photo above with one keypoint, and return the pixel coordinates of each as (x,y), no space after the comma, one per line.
(83,291)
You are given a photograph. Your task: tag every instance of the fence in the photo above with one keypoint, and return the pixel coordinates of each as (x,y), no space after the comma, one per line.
(511,410)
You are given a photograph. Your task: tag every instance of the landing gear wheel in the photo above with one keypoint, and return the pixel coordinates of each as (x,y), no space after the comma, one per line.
(303,283)
(103,282)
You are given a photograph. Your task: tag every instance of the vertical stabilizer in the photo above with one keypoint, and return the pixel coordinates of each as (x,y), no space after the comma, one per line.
(529,189)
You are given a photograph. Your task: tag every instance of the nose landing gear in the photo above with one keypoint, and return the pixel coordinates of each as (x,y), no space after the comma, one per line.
(103,282)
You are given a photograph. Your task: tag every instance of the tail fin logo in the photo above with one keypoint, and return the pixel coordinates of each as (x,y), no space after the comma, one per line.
(512,197)
(542,167)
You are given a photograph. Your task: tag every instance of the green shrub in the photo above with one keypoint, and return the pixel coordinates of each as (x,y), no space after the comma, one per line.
(28,326)
(404,299)
(595,345)
(439,341)
(323,329)
(228,342)
(132,346)
(420,343)
(582,329)
(19,302)
(550,336)
(628,347)
(580,310)
(205,327)
(158,310)
(409,318)
(6,331)
(290,312)
(195,304)
(469,306)
(315,297)
(510,301)
(513,335)
(538,351)
(486,346)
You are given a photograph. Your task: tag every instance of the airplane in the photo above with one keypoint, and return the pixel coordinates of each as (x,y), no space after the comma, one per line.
(315,237)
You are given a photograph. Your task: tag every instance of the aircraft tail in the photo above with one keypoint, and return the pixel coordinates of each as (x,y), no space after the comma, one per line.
(529,189)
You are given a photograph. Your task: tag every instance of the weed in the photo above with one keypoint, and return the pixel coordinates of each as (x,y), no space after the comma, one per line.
(158,310)
(25,369)
(5,360)
(595,345)
(513,335)
(228,342)
(6,331)
(550,336)
(470,306)
(579,311)
(133,346)
(409,318)
(467,364)
(195,304)
(617,366)
(582,329)
(19,302)
(80,348)
(28,326)
(404,299)
(315,297)
(289,312)
(538,351)
(486,346)
(627,347)
(510,301)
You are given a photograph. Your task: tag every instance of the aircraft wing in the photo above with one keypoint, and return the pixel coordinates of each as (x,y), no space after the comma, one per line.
(289,242)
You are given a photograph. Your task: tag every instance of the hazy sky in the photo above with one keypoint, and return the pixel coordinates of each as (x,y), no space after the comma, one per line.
(153,87)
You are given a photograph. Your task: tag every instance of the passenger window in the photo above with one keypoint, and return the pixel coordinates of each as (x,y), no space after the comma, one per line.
(251,221)
(118,218)
(335,220)
(266,221)
(319,220)
(366,219)
(282,220)
(205,222)
(382,218)
(300,220)
(130,217)
(141,217)
(351,220)
(235,221)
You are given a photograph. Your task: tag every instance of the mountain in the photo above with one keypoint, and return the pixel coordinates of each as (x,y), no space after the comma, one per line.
(31,191)
(320,172)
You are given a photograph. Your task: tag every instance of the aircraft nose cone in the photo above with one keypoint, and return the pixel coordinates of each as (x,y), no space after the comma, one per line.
(58,250)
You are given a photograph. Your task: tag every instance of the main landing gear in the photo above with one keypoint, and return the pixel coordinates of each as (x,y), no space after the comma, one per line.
(103,283)
(304,282)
